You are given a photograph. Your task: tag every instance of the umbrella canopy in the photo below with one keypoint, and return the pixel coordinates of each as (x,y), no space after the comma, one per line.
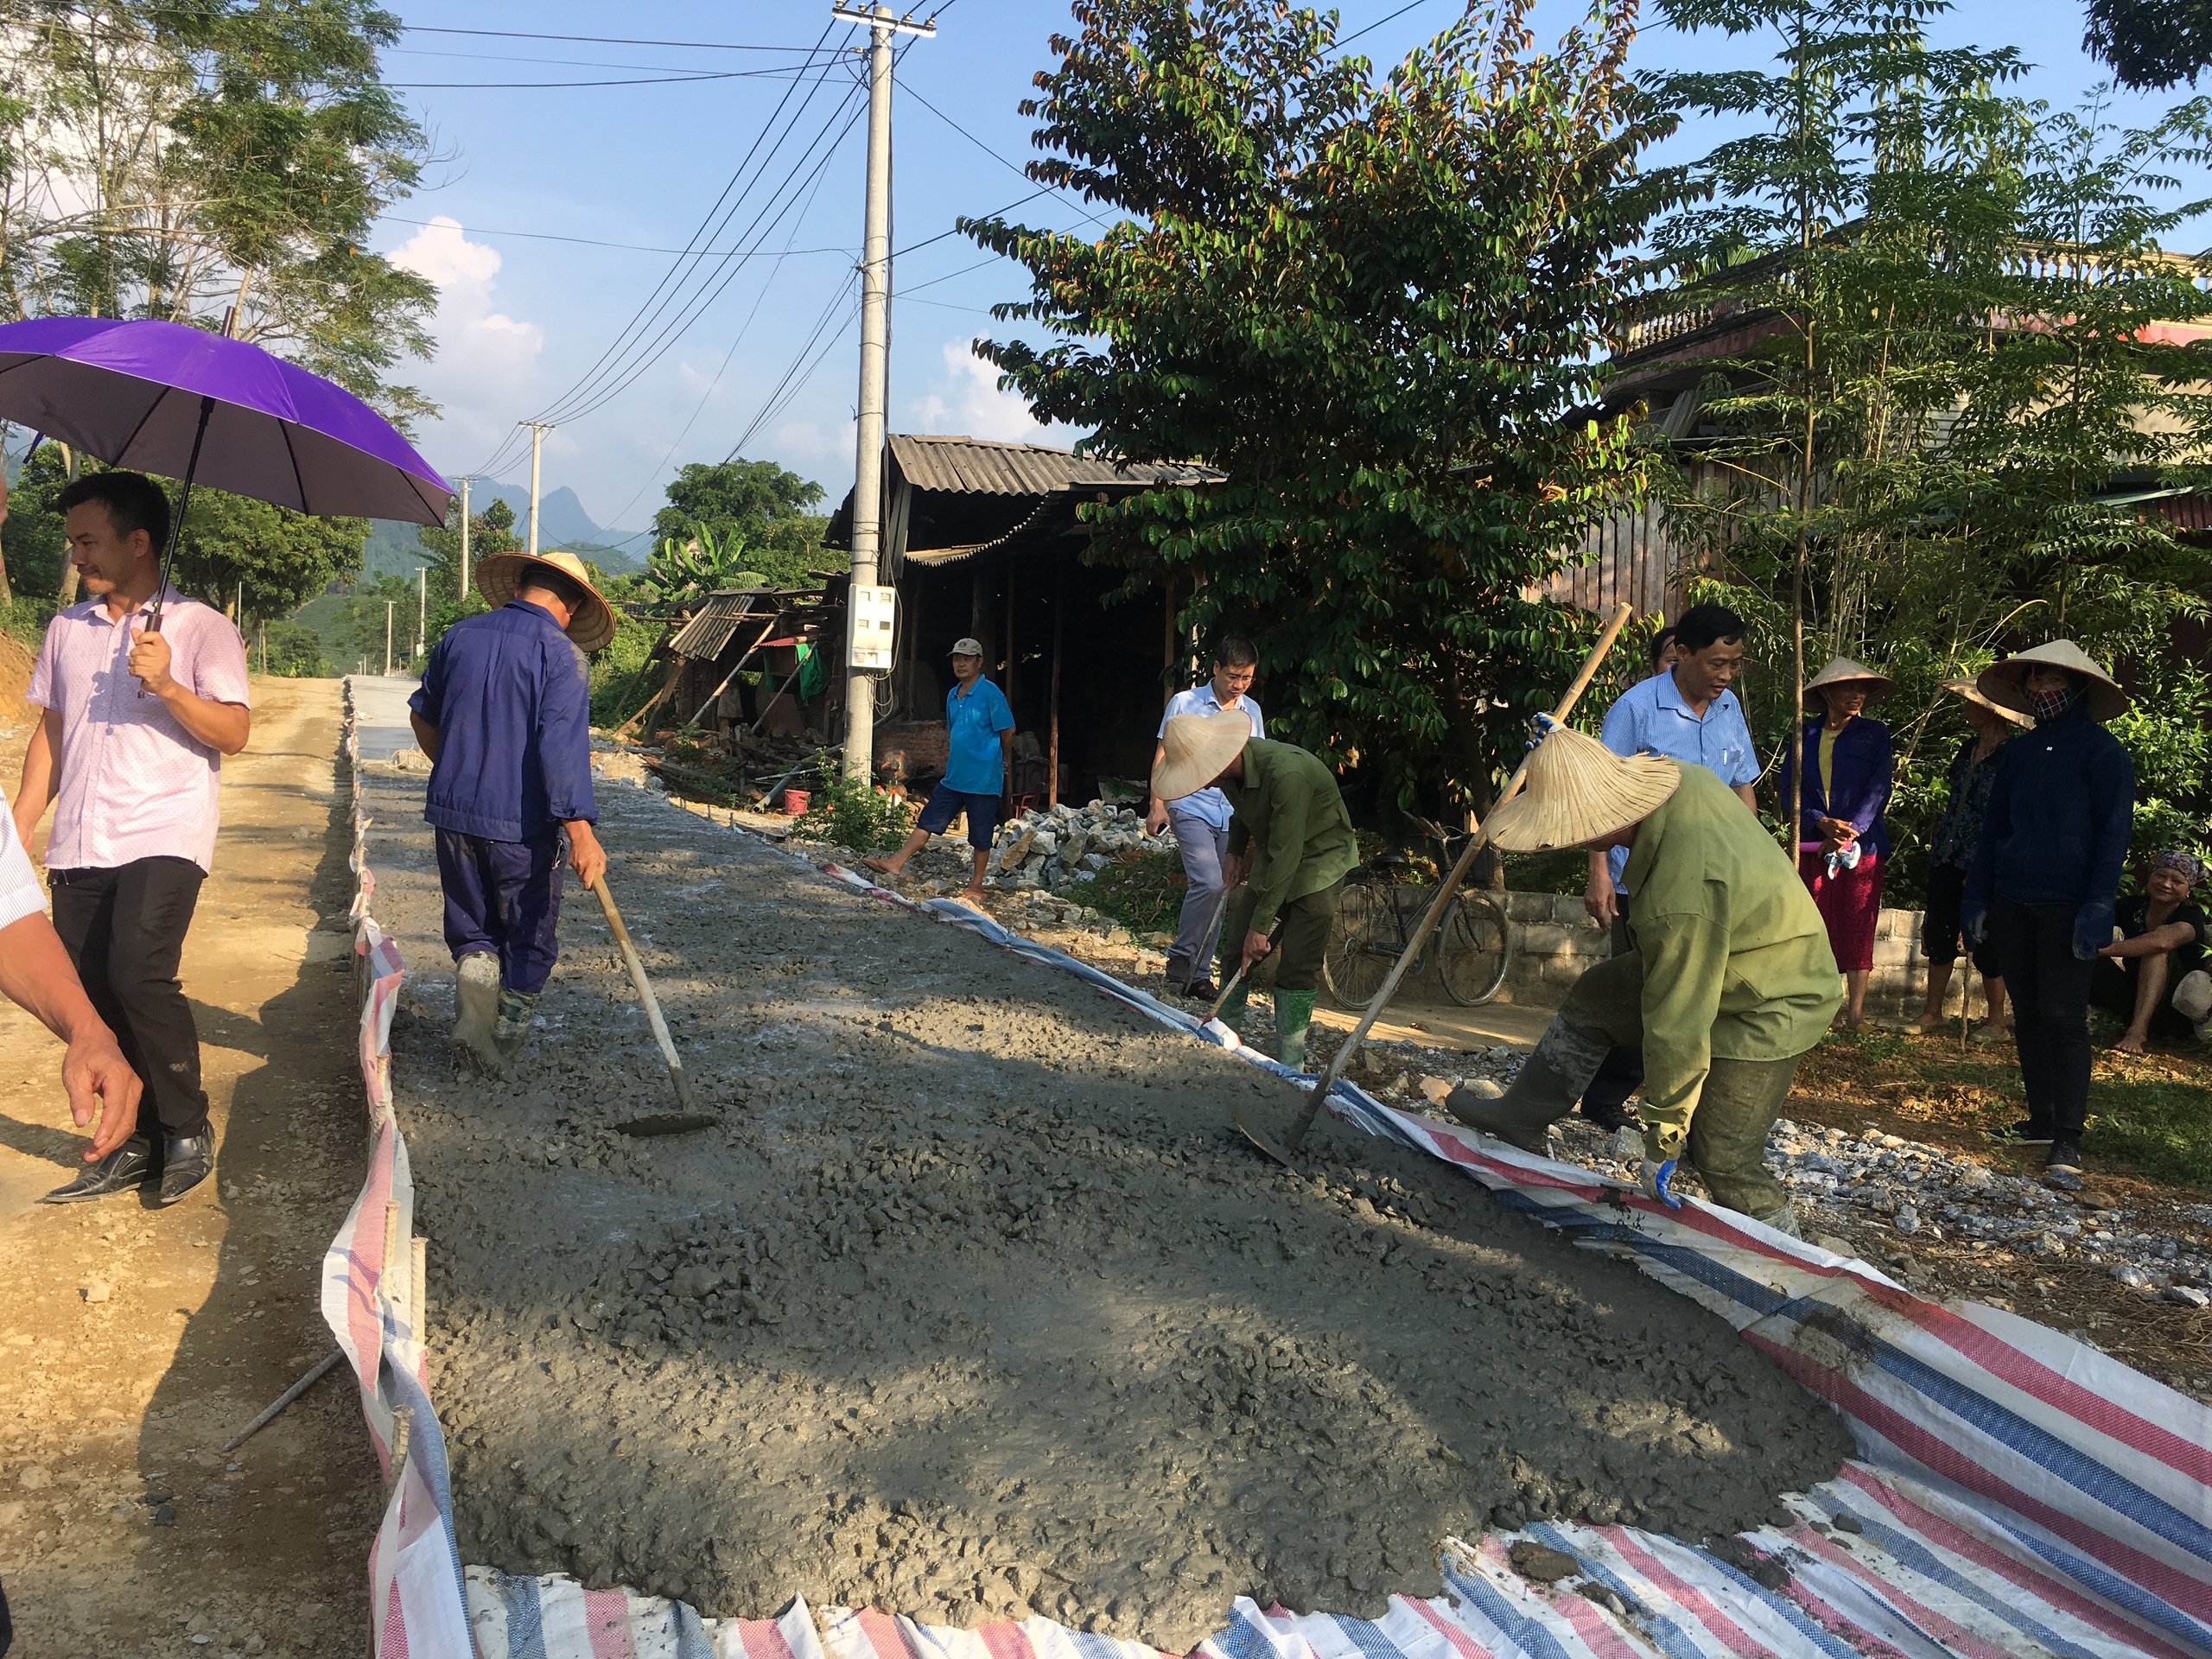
(130,393)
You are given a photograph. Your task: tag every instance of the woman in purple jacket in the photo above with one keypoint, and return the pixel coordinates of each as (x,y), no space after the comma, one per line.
(1842,843)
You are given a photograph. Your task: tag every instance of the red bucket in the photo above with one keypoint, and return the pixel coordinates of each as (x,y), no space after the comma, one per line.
(795,803)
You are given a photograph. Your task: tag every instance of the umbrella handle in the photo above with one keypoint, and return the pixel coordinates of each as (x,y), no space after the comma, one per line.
(176,523)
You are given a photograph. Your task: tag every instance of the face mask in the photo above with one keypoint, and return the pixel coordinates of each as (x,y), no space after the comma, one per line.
(2048,706)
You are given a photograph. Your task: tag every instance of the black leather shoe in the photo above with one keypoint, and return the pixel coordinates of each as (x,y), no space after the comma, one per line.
(1608,1115)
(187,1160)
(1202,990)
(123,1170)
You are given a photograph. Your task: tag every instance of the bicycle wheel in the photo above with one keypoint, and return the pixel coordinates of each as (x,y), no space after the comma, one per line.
(1475,950)
(1363,944)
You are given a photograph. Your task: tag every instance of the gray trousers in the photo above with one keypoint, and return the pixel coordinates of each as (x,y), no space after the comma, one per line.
(1604,1011)
(1202,848)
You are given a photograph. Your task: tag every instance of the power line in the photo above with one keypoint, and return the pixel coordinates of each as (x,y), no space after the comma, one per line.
(1013,167)
(793,73)
(611,40)
(590,242)
(1414,5)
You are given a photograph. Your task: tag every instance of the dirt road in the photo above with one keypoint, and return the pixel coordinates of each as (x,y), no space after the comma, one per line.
(133,1341)
(972,1305)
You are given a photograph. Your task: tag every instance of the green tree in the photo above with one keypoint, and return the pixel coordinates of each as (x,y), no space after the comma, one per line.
(1958,368)
(174,160)
(2150,44)
(767,510)
(295,651)
(1373,304)
(278,559)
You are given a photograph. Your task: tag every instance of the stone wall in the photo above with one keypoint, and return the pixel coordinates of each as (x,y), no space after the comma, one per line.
(1553,942)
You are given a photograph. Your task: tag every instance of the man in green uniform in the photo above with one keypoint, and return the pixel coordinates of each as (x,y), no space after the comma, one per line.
(1290,846)
(1731,980)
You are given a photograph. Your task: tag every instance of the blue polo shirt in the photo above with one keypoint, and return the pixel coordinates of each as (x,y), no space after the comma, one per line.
(975,762)
(1651,718)
(511,696)
(1209,803)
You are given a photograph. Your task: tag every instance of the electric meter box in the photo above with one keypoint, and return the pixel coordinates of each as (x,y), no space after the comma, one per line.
(871,612)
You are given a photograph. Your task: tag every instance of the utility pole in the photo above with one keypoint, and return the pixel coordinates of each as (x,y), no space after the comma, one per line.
(537,431)
(462,596)
(387,638)
(867,607)
(421,611)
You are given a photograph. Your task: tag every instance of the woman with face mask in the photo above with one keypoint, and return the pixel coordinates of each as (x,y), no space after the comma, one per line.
(2045,877)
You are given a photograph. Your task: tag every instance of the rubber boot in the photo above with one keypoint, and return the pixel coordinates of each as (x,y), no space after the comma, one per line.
(1783,1221)
(477,999)
(516,1011)
(1294,1014)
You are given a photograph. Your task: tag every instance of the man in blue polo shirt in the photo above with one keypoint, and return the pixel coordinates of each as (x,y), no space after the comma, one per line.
(1686,712)
(978,761)
(504,712)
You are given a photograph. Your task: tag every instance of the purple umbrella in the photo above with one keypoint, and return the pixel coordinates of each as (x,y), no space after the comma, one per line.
(160,398)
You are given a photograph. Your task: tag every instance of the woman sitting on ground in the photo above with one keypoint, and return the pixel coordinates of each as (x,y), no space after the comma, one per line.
(1843,841)
(2153,976)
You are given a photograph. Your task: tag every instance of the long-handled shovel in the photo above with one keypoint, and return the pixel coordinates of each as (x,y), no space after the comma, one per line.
(1206,944)
(1428,922)
(665,1123)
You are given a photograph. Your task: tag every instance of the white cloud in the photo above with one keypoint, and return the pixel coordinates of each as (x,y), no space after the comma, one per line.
(473,338)
(968,400)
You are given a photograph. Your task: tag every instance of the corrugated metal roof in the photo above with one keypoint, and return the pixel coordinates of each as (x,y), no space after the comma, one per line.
(702,638)
(977,466)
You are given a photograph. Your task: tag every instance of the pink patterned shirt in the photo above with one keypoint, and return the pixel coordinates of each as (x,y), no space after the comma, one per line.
(134,783)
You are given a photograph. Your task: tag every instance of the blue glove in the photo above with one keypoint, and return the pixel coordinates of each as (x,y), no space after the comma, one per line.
(1973,921)
(2092,929)
(1541,726)
(1655,1181)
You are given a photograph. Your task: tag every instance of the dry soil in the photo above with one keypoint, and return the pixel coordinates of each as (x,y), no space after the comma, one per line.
(971,1304)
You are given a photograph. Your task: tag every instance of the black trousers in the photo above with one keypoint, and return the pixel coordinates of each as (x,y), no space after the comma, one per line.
(2050,988)
(124,929)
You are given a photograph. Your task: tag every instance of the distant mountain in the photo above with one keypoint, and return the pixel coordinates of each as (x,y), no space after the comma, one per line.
(395,549)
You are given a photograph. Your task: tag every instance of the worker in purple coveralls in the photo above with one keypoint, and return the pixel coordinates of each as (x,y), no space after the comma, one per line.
(504,714)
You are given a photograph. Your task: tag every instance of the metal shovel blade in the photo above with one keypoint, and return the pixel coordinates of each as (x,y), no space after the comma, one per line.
(1258,1136)
(667,1123)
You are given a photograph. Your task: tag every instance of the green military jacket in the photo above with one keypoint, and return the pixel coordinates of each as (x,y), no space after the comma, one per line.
(1290,812)
(1736,958)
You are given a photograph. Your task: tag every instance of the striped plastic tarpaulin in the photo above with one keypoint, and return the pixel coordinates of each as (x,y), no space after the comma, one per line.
(550,1616)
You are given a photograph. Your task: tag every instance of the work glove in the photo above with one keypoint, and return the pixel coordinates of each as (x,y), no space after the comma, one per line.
(1656,1179)
(1973,922)
(2092,929)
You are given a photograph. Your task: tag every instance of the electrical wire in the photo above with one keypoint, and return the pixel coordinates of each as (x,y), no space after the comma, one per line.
(795,377)
(1014,168)
(698,246)
(1388,17)
(590,242)
(793,72)
(607,39)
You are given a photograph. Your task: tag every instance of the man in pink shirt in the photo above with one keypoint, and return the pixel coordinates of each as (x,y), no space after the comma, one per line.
(134,729)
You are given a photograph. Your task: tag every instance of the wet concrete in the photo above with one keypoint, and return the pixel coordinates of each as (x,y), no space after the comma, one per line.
(972,1305)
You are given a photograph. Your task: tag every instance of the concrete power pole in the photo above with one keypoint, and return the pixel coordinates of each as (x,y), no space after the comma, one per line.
(537,431)
(462,596)
(387,637)
(867,607)
(422,610)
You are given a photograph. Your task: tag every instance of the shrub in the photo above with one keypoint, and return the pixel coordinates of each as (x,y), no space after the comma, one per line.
(1142,890)
(852,812)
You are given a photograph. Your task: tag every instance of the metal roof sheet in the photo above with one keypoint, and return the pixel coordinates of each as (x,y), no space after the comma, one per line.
(702,638)
(978,466)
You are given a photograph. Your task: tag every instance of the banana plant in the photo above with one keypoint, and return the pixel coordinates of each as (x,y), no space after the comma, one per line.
(683,572)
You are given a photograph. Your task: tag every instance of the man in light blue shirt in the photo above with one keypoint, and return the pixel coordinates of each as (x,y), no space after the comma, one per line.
(1686,712)
(1201,820)
(978,760)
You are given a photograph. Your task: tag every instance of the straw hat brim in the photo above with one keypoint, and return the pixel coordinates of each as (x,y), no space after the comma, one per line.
(2004,683)
(1198,747)
(1580,791)
(500,575)
(1841,670)
(1972,693)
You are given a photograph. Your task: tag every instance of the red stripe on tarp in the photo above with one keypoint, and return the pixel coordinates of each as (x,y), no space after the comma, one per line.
(1949,1631)
(2171,1585)
(882,1632)
(762,1638)
(1686,1595)
(607,1625)
(1462,1643)
(1005,1640)
(2054,1592)
(391,1643)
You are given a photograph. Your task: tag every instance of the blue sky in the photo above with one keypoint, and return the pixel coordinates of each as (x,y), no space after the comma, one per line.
(524,319)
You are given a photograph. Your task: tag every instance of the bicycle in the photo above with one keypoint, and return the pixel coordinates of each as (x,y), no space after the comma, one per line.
(1472,943)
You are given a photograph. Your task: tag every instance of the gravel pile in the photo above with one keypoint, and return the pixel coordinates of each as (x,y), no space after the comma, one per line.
(974,1306)
(1067,846)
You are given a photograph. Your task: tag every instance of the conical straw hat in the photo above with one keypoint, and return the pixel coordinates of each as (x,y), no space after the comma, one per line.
(499,575)
(1195,749)
(2003,682)
(1578,790)
(1972,693)
(1843,671)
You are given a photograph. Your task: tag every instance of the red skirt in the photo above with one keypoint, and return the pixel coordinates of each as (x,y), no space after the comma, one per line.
(1850,902)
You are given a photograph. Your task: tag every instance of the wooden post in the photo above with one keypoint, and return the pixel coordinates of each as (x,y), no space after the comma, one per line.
(1008,687)
(1167,632)
(1059,636)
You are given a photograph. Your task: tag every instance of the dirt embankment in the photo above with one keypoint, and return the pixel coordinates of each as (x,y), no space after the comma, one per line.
(17,662)
(972,1305)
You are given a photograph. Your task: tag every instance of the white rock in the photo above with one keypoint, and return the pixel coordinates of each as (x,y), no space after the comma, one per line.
(2188,1296)
(97,1291)
(1484,1088)
(1907,1219)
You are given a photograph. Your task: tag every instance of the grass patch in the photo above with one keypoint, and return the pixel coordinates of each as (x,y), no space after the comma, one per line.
(2159,1129)
(1142,891)
(853,812)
